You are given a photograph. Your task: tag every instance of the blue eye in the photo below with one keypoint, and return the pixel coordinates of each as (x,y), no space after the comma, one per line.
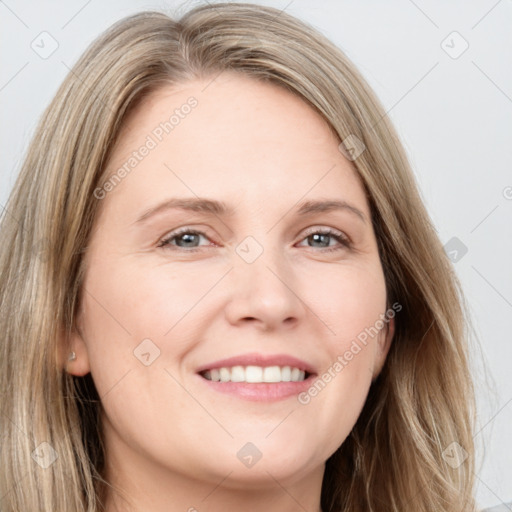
(188,236)
(321,235)
(190,239)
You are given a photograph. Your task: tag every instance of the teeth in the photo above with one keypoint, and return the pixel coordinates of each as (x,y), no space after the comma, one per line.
(295,374)
(237,373)
(272,374)
(225,375)
(286,374)
(255,374)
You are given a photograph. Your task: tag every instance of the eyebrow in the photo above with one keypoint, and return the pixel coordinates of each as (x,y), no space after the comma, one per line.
(220,208)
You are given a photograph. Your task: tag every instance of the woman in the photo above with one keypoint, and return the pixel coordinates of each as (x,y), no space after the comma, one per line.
(164,344)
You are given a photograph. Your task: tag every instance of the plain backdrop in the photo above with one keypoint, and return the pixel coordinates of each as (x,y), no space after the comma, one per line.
(441,69)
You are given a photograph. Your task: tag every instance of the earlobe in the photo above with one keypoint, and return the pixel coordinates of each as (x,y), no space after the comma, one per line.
(384,344)
(74,354)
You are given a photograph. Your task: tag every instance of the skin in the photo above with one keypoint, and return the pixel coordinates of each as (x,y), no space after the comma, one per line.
(171,440)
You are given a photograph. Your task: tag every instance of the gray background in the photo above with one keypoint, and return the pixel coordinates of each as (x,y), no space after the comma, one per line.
(452,109)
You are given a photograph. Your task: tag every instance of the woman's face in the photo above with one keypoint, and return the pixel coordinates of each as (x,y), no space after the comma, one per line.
(214,244)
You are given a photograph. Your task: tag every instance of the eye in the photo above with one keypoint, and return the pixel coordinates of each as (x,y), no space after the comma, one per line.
(324,235)
(188,237)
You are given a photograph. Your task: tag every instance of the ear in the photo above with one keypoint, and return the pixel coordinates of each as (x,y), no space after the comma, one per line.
(74,342)
(383,345)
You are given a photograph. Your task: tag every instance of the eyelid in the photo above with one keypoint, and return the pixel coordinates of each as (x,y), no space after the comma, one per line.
(327,230)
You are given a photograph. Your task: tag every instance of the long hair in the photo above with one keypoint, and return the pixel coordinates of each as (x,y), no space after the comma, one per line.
(418,410)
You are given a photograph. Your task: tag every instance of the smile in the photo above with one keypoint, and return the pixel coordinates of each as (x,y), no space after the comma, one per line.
(255,374)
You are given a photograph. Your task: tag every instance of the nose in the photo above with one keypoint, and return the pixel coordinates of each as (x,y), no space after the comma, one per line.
(264,293)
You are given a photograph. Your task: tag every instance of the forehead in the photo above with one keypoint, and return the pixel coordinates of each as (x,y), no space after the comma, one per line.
(230,103)
(243,136)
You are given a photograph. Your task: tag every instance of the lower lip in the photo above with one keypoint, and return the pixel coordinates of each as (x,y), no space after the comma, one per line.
(260,391)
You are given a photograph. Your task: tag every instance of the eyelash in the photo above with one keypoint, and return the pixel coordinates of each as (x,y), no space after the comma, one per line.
(338,236)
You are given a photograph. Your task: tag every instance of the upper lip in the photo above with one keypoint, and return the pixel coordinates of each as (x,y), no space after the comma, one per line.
(255,359)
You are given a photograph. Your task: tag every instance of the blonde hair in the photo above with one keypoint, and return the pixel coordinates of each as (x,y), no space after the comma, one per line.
(421,403)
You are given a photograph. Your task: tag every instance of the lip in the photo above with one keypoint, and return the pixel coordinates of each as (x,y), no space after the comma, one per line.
(256,359)
(260,391)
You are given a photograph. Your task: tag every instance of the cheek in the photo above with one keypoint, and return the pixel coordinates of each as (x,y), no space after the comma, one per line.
(353,301)
(125,306)
(134,301)
(349,299)
(336,399)
(161,297)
